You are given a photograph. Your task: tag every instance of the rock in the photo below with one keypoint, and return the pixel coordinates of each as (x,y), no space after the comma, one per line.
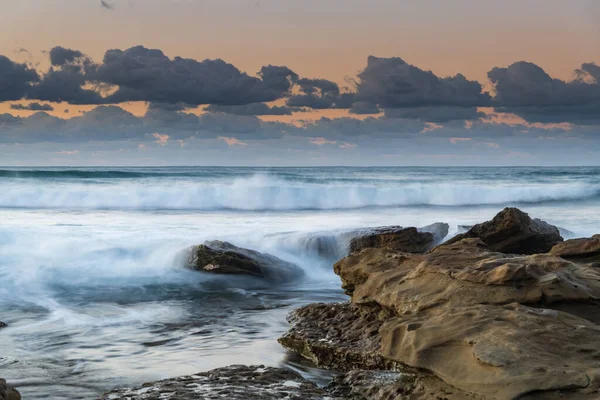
(499,352)
(464,274)
(345,337)
(581,251)
(236,382)
(339,336)
(409,240)
(224,258)
(3,325)
(8,392)
(513,231)
(388,385)
(439,230)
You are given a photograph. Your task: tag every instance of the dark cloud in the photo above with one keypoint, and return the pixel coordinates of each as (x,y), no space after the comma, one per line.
(60,56)
(436,114)
(32,107)
(319,94)
(392,83)
(253,109)
(15,79)
(528,91)
(363,108)
(68,79)
(143,74)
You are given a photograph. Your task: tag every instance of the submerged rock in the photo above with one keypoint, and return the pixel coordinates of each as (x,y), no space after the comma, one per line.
(585,250)
(8,392)
(236,382)
(513,231)
(410,240)
(224,258)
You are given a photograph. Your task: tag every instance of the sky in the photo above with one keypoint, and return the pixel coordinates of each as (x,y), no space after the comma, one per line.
(279,82)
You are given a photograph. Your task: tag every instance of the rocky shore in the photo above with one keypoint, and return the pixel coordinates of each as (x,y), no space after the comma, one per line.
(505,310)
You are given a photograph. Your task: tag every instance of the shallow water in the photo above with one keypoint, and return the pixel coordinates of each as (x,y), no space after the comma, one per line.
(90,259)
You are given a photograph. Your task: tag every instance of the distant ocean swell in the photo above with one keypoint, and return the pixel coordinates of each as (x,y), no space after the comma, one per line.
(268,193)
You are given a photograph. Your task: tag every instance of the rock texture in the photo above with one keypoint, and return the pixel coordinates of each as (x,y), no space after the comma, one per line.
(8,392)
(500,352)
(236,382)
(224,258)
(584,250)
(483,316)
(339,336)
(390,385)
(411,240)
(513,231)
(464,274)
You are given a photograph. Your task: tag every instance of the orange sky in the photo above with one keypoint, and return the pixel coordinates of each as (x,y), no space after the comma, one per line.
(329,38)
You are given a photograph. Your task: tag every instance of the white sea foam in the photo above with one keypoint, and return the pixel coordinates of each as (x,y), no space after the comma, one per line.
(264,192)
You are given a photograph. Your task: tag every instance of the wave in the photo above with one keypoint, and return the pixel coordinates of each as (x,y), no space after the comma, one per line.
(268,193)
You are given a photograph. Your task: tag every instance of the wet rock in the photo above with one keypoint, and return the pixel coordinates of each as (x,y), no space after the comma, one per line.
(3,325)
(8,392)
(513,231)
(409,240)
(388,385)
(465,274)
(236,382)
(581,251)
(439,230)
(500,352)
(345,337)
(339,336)
(224,258)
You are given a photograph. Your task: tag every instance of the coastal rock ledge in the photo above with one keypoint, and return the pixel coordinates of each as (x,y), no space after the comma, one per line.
(496,313)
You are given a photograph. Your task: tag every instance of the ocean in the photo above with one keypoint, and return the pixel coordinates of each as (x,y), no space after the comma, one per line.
(91,278)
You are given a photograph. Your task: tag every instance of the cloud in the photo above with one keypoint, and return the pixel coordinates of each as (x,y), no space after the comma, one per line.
(319,141)
(363,108)
(231,141)
(393,83)
(347,146)
(252,109)
(143,74)
(456,140)
(161,139)
(527,91)
(32,107)
(60,56)
(15,79)
(439,114)
(68,152)
(319,94)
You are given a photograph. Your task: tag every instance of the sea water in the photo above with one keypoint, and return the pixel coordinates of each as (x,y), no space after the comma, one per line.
(91,277)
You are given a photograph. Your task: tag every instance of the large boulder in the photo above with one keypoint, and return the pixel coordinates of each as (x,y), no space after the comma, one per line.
(223,258)
(8,392)
(410,240)
(236,382)
(584,250)
(500,352)
(513,231)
